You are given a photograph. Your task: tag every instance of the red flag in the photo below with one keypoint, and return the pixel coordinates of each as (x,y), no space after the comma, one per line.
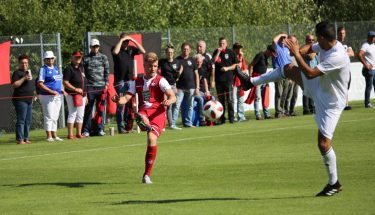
(4,63)
(251,98)
(266,101)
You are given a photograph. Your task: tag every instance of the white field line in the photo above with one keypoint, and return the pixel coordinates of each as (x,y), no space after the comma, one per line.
(172,141)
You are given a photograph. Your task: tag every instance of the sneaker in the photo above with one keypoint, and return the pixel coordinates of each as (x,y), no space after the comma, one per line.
(21,142)
(267,117)
(348,107)
(50,139)
(368,106)
(173,127)
(86,134)
(244,79)
(58,139)
(141,123)
(330,190)
(101,133)
(258,118)
(146,179)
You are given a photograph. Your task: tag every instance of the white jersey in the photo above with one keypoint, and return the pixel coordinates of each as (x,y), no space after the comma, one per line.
(330,90)
(369,55)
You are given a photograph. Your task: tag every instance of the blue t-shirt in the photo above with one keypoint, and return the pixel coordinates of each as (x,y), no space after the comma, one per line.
(51,77)
(282,57)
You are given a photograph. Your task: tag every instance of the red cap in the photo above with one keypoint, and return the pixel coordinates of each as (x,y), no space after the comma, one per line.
(76,54)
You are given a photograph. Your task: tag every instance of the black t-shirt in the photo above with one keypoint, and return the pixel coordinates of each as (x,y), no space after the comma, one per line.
(169,70)
(201,73)
(260,63)
(123,63)
(187,78)
(226,58)
(75,78)
(26,89)
(207,67)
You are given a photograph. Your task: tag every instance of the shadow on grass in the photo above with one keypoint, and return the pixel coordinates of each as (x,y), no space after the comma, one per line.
(167,201)
(62,184)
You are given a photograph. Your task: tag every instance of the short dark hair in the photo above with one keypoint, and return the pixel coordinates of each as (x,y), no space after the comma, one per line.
(222,38)
(340,28)
(185,44)
(326,30)
(22,57)
(169,46)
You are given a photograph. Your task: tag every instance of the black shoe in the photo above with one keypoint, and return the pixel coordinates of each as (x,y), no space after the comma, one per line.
(330,190)
(306,112)
(141,123)
(348,107)
(267,117)
(258,118)
(244,79)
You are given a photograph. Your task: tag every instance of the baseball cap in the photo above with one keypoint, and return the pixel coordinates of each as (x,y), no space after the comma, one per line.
(371,34)
(94,42)
(237,45)
(76,54)
(48,54)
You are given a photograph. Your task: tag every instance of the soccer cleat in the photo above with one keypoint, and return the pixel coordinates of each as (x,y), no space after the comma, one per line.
(141,123)
(146,179)
(244,79)
(330,190)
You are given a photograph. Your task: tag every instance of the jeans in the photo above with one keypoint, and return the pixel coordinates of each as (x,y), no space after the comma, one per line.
(225,96)
(24,116)
(370,82)
(170,108)
(189,94)
(200,103)
(94,95)
(260,91)
(123,113)
(238,104)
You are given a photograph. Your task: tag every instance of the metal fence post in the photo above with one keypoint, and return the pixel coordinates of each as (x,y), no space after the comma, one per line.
(289,29)
(62,111)
(336,28)
(41,48)
(233,35)
(169,35)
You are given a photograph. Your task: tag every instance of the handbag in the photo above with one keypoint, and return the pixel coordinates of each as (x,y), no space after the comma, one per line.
(78,98)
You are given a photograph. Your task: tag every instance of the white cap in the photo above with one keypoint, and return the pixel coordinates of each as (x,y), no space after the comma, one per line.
(94,42)
(48,54)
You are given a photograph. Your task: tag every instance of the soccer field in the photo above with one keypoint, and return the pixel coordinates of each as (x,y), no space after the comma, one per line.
(253,167)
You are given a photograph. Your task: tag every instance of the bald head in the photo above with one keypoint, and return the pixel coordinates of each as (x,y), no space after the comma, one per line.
(201,47)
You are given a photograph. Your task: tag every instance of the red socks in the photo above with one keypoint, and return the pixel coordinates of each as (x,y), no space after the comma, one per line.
(150,159)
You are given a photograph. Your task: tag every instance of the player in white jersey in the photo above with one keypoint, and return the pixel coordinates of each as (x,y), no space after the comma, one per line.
(326,84)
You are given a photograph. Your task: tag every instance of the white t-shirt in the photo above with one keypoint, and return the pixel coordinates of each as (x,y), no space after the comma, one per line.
(369,55)
(163,84)
(330,90)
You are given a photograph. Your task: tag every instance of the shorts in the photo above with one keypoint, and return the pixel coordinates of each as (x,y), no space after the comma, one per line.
(157,118)
(326,120)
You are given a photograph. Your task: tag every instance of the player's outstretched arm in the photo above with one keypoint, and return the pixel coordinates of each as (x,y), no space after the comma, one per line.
(171,97)
(121,100)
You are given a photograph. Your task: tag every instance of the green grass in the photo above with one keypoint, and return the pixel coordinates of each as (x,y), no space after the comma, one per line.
(254,167)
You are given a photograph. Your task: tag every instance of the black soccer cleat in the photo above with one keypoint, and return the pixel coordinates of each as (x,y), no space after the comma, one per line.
(244,79)
(142,125)
(330,190)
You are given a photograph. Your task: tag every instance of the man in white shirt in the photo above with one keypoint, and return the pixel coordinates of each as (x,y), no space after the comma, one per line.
(367,57)
(326,84)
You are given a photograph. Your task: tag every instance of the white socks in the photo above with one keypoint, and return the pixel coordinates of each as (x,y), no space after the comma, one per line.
(272,76)
(329,160)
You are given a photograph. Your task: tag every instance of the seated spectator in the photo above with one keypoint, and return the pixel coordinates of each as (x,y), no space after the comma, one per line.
(204,93)
(74,83)
(24,87)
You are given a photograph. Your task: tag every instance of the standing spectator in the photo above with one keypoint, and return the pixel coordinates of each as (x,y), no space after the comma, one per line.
(311,60)
(155,93)
(225,62)
(258,67)
(50,90)
(281,59)
(96,70)
(341,36)
(187,86)
(207,66)
(367,57)
(24,87)
(123,59)
(238,92)
(170,69)
(74,81)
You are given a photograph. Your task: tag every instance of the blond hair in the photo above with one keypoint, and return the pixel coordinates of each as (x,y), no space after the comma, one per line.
(151,57)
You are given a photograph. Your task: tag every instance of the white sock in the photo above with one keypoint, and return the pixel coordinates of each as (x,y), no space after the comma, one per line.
(272,76)
(329,160)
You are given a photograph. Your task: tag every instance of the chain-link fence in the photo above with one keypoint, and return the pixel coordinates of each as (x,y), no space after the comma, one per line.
(34,46)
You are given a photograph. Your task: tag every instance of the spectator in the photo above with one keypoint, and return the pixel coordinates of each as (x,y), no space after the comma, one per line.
(50,90)
(24,87)
(258,67)
(170,69)
(187,86)
(292,90)
(279,60)
(204,93)
(123,59)
(367,57)
(341,36)
(225,62)
(311,60)
(238,92)
(74,81)
(207,66)
(96,71)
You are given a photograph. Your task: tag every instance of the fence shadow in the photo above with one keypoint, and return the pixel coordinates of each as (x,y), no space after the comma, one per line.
(62,184)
